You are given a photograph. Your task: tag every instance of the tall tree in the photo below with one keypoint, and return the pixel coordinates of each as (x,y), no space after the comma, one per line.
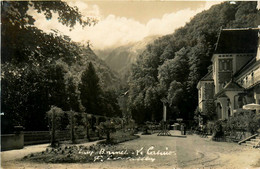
(90,91)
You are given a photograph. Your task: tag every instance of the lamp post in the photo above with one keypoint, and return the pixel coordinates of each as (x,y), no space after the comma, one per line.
(164,131)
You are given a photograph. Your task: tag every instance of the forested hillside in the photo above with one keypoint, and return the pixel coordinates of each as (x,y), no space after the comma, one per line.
(172,66)
(39,70)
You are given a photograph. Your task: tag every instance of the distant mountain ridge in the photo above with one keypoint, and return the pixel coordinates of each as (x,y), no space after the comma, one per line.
(119,59)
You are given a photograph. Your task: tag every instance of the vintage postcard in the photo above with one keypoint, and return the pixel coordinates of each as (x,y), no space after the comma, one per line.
(130,84)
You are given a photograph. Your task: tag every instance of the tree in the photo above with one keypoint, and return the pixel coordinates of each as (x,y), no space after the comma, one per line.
(170,69)
(31,78)
(110,104)
(90,91)
(54,114)
(72,96)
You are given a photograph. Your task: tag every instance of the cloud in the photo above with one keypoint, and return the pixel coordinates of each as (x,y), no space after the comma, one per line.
(85,9)
(114,31)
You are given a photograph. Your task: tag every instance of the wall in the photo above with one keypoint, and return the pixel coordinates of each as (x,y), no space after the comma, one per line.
(17,141)
(36,137)
(12,141)
(206,92)
(251,78)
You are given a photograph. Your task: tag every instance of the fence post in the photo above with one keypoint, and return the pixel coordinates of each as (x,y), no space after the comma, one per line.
(18,131)
(53,129)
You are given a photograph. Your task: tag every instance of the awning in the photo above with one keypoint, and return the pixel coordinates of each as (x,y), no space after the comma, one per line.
(252,106)
(175,124)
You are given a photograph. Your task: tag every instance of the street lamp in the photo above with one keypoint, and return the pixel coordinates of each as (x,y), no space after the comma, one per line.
(164,131)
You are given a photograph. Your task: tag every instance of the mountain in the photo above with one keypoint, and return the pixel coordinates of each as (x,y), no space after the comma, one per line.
(119,59)
(108,78)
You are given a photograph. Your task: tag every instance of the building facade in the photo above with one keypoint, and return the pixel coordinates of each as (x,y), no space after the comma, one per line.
(235,77)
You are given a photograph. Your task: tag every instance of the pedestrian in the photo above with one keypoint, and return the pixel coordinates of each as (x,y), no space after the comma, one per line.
(184,129)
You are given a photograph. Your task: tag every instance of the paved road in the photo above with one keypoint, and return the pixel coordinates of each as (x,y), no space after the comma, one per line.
(190,152)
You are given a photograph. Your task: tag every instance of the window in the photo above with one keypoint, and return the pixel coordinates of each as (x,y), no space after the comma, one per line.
(252,77)
(240,101)
(225,65)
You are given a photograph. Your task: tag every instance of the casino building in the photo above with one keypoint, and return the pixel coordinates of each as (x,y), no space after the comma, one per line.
(234,80)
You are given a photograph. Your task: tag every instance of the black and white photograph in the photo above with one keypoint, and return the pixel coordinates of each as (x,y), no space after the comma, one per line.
(130,84)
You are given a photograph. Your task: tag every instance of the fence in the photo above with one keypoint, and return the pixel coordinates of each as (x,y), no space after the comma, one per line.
(40,137)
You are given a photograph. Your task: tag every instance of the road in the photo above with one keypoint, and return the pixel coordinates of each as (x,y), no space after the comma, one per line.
(164,152)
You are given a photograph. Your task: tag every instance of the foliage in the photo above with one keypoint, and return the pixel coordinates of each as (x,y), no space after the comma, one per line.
(244,121)
(240,122)
(172,65)
(90,91)
(210,110)
(110,104)
(39,69)
(108,127)
(58,114)
(218,129)
(81,154)
(54,115)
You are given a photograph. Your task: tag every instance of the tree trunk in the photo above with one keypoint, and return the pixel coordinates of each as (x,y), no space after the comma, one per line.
(108,136)
(72,128)
(88,137)
(53,130)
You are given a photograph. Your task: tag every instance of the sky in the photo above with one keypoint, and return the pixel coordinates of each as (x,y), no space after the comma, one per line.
(123,22)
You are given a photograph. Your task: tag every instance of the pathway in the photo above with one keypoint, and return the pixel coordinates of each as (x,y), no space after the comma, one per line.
(190,152)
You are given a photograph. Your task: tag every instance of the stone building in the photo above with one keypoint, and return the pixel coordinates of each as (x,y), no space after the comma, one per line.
(235,76)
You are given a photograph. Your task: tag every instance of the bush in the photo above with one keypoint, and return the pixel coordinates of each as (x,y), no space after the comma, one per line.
(237,126)
(108,127)
(244,121)
(218,130)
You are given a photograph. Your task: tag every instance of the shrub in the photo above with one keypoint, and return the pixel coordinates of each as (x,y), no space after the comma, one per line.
(218,129)
(108,127)
(244,121)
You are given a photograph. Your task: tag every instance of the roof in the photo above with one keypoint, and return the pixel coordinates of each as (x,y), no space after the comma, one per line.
(232,86)
(207,77)
(251,65)
(237,41)
(245,68)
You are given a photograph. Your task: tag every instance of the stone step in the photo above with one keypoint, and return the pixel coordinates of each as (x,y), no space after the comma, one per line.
(246,144)
(243,144)
(250,143)
(255,140)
